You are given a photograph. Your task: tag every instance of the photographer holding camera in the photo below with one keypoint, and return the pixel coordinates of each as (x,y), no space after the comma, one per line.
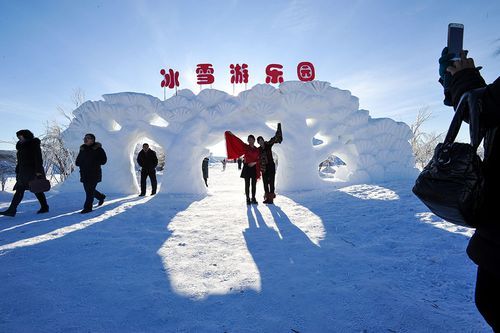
(459,77)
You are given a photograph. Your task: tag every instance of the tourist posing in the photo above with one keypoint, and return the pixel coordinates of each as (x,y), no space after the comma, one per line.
(267,165)
(251,167)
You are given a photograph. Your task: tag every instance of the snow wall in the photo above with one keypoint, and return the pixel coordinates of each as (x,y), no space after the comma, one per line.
(184,125)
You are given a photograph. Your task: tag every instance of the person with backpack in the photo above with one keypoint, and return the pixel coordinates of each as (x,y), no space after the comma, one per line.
(458,78)
(29,167)
(148,162)
(89,159)
(251,166)
(267,166)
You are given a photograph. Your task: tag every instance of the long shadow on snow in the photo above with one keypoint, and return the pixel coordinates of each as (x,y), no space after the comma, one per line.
(66,287)
(394,264)
(23,226)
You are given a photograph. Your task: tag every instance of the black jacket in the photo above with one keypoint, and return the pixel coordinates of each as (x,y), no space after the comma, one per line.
(266,154)
(484,246)
(29,161)
(90,159)
(147,160)
(204,167)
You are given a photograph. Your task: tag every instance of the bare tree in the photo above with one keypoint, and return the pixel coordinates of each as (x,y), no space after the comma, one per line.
(423,143)
(58,160)
(77,99)
(7,169)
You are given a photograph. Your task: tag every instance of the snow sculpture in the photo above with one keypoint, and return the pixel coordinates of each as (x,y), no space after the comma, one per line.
(184,125)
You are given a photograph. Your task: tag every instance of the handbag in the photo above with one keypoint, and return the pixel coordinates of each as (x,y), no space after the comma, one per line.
(39,185)
(451,184)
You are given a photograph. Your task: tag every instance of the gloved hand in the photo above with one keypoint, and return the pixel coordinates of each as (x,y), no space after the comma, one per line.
(445,76)
(445,62)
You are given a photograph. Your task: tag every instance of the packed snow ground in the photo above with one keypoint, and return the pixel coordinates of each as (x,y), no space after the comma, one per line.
(364,258)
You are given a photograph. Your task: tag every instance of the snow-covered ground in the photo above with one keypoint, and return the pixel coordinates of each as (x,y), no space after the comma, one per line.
(363,258)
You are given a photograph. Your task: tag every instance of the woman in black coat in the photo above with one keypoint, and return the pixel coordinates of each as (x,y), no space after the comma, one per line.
(89,159)
(29,166)
(267,165)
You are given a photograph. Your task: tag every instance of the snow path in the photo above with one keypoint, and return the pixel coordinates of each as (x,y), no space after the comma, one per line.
(363,258)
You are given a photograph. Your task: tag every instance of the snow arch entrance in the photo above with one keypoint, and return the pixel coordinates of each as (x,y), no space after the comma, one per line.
(373,149)
(136,169)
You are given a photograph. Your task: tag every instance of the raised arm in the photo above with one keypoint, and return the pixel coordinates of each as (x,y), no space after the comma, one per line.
(277,138)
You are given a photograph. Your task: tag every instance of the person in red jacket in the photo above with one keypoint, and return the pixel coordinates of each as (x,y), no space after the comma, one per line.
(251,168)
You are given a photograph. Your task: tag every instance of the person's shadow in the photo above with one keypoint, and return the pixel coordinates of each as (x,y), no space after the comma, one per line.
(290,267)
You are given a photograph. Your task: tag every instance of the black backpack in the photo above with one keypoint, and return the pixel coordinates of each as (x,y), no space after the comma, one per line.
(452,183)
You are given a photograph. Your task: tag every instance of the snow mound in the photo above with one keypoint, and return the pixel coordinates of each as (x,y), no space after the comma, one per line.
(184,125)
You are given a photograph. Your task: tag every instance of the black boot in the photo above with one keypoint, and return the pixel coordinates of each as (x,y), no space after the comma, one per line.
(248,201)
(86,210)
(254,201)
(8,212)
(101,200)
(44,209)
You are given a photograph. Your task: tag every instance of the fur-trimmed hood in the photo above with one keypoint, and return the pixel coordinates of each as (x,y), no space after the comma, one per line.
(95,146)
(28,143)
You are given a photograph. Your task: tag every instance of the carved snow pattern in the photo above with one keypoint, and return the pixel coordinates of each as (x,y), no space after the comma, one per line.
(372,148)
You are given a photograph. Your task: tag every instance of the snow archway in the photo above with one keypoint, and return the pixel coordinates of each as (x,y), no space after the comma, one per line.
(373,149)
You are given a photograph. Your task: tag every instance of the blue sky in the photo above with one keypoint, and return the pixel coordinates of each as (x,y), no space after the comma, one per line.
(385,52)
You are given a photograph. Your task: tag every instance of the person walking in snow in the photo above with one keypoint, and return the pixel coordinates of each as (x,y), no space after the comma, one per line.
(240,162)
(148,162)
(458,78)
(89,159)
(29,167)
(251,167)
(267,166)
(204,170)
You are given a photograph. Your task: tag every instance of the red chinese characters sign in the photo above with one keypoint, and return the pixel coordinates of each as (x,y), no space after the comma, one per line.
(305,71)
(205,74)
(239,74)
(274,74)
(170,79)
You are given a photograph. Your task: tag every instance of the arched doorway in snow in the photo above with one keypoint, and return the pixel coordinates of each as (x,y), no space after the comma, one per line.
(328,168)
(160,154)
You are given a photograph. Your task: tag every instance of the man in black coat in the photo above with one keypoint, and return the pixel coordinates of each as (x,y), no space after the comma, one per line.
(89,159)
(29,167)
(148,161)
(484,246)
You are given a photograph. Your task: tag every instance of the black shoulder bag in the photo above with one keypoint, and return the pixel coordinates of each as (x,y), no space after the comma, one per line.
(451,184)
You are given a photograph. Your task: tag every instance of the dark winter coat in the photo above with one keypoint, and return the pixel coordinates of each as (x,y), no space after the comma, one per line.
(147,160)
(204,167)
(266,153)
(29,161)
(484,246)
(90,159)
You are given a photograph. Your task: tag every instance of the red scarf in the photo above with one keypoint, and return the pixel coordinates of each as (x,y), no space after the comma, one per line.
(235,148)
